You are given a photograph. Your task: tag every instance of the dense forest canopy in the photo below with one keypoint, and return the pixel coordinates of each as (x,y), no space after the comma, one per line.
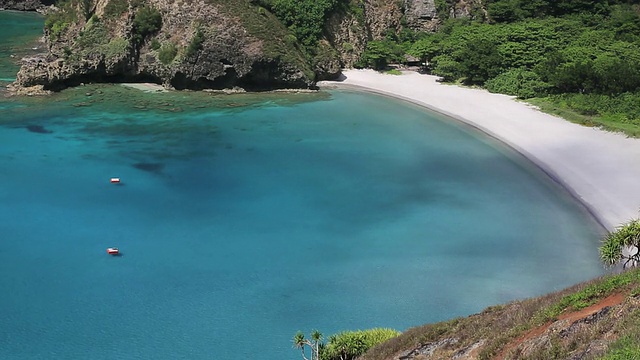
(580,54)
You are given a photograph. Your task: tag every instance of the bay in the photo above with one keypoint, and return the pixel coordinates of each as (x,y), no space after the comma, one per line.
(245,218)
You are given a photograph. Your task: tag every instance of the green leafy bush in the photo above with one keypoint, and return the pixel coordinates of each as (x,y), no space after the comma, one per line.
(116,48)
(155,44)
(379,54)
(115,8)
(446,67)
(167,53)
(93,36)
(195,44)
(520,82)
(56,22)
(351,344)
(147,21)
(622,245)
(305,18)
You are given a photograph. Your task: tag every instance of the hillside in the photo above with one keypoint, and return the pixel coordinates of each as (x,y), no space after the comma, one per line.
(599,319)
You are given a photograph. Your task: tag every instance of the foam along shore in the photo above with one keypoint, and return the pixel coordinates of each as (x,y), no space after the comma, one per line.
(600,168)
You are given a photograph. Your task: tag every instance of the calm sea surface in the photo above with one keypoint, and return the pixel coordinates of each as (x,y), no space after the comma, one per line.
(243,219)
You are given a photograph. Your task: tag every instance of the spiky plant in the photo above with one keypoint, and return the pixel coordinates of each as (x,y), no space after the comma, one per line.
(622,245)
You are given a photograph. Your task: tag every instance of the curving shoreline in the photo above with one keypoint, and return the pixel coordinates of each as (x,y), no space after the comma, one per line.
(601,169)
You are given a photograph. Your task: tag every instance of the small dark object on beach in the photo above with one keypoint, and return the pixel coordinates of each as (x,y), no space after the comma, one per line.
(38,129)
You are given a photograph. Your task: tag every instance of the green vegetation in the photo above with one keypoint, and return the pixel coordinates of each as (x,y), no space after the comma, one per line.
(56,22)
(115,8)
(168,52)
(582,57)
(86,7)
(587,296)
(622,245)
(352,344)
(346,345)
(265,26)
(195,44)
(625,348)
(379,54)
(93,36)
(393,72)
(305,18)
(116,48)
(155,44)
(147,21)
(314,344)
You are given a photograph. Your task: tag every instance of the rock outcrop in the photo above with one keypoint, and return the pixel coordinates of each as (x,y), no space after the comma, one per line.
(198,45)
(207,44)
(25,5)
(421,14)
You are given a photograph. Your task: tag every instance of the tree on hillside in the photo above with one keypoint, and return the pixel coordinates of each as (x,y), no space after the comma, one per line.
(622,245)
(479,61)
(349,345)
(300,342)
(147,21)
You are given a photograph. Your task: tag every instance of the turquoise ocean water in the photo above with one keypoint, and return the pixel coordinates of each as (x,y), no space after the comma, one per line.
(243,219)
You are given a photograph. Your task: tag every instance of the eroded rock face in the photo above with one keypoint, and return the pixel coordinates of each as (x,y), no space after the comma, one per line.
(25,5)
(107,50)
(421,14)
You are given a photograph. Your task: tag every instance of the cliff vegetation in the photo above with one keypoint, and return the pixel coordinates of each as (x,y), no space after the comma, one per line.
(216,44)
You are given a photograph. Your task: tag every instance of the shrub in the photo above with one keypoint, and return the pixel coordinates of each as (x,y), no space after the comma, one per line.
(147,21)
(155,44)
(446,67)
(351,344)
(115,8)
(622,245)
(167,53)
(305,18)
(58,21)
(522,83)
(117,47)
(195,44)
(380,53)
(93,36)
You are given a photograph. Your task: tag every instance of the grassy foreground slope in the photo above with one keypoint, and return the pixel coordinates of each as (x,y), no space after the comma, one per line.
(599,319)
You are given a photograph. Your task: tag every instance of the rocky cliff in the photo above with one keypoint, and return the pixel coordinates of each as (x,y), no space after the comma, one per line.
(206,44)
(194,44)
(25,5)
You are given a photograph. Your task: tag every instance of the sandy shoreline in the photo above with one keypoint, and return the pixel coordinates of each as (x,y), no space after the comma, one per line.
(146,87)
(600,168)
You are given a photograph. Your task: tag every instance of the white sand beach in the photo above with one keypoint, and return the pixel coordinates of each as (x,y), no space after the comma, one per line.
(602,169)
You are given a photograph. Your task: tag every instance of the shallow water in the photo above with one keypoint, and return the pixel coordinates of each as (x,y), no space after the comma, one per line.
(245,218)
(20,32)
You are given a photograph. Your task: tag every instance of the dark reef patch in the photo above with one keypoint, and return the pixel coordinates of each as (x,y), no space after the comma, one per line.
(38,129)
(150,167)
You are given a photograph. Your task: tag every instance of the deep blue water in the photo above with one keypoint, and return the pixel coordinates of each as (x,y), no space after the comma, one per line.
(243,219)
